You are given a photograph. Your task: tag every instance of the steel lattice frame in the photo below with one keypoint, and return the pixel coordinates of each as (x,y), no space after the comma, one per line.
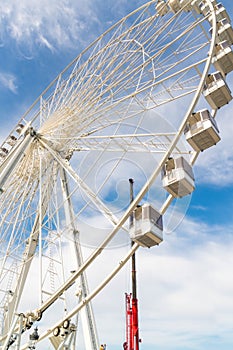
(98,111)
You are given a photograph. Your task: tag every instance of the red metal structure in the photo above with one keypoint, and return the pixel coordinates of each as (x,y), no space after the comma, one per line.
(132,331)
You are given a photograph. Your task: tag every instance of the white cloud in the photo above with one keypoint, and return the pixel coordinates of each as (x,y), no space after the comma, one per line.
(8,81)
(184,290)
(59,23)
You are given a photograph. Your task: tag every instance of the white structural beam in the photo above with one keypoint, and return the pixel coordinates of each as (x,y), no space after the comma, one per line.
(14,157)
(28,257)
(87,316)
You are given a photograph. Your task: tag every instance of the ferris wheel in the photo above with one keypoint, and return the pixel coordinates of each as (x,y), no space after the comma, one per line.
(139,102)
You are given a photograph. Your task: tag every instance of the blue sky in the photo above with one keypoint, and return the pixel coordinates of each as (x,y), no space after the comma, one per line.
(187,304)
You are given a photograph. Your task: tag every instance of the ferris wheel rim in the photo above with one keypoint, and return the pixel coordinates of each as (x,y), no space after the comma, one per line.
(115,25)
(192,106)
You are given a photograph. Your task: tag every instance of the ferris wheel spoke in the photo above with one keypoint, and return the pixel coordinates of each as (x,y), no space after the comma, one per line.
(29,251)
(151,97)
(14,202)
(106,212)
(157,82)
(108,88)
(130,143)
(21,235)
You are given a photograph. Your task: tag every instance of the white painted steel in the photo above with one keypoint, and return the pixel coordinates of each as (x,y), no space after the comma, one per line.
(87,316)
(96,113)
(216,91)
(223,58)
(202,131)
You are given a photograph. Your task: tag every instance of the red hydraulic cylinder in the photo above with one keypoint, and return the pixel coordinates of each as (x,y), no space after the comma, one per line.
(128,345)
(132,331)
(135,324)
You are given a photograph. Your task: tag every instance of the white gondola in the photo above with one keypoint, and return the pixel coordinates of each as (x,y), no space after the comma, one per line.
(177,177)
(201,131)
(220,12)
(216,90)
(161,7)
(214,2)
(174,5)
(223,59)
(205,9)
(201,6)
(189,5)
(186,5)
(196,5)
(147,226)
(225,31)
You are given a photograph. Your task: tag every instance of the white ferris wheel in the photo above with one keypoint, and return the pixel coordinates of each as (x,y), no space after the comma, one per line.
(63,168)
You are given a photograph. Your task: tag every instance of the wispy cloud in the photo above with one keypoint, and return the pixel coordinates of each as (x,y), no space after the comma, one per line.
(8,81)
(188,298)
(57,23)
(184,291)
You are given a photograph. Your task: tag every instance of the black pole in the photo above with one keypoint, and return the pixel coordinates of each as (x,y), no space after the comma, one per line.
(134,304)
(134,284)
